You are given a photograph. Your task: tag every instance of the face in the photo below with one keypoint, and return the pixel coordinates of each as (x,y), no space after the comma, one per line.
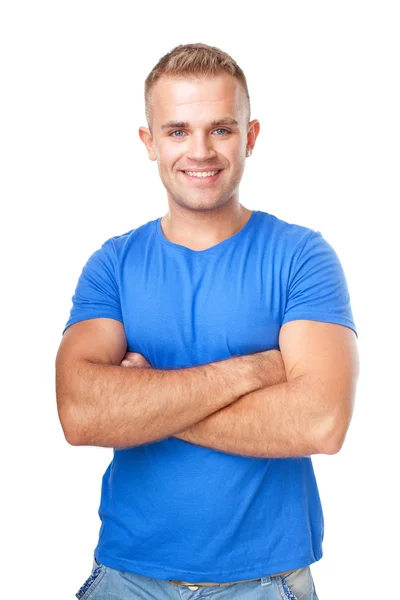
(200,126)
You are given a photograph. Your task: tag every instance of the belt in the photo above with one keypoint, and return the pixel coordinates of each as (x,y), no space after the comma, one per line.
(195,586)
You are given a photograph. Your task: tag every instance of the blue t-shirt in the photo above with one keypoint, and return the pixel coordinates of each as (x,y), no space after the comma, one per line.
(172,509)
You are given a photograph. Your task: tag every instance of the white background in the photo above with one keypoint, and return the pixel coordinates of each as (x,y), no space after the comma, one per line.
(324,83)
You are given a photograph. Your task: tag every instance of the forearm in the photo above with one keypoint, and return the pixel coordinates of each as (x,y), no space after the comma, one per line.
(275,422)
(111,406)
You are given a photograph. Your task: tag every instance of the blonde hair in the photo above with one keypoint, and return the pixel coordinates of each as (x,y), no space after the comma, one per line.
(189,61)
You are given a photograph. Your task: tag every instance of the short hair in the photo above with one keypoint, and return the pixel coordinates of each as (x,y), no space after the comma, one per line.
(189,61)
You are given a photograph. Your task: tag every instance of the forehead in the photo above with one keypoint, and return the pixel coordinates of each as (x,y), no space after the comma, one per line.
(197,98)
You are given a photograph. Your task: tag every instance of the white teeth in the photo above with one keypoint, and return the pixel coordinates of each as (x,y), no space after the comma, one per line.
(208,174)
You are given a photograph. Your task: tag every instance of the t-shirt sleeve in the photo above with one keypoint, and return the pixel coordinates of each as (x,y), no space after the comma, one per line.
(97,292)
(317,288)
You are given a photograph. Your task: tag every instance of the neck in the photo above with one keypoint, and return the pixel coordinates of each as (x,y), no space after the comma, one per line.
(199,230)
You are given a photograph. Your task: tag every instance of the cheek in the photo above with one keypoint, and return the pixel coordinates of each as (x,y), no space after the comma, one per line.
(235,155)
(168,154)
(168,163)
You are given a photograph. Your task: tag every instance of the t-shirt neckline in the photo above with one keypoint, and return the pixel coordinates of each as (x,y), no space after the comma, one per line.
(213,249)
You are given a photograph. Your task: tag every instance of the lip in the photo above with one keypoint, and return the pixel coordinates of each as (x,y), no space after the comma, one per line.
(202,180)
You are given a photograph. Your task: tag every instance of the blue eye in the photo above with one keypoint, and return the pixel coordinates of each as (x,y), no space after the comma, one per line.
(221,129)
(225,131)
(172,134)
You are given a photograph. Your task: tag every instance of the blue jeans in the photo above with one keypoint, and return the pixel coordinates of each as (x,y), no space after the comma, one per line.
(106,583)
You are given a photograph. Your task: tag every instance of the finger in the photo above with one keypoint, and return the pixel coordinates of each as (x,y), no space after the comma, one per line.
(127,363)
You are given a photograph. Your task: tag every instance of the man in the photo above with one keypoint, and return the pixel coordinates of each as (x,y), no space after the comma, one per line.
(215,350)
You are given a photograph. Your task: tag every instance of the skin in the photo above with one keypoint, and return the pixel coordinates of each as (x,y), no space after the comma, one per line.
(307,412)
(309,408)
(199,215)
(321,359)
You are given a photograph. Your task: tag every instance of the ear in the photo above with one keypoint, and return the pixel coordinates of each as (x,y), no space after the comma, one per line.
(254,130)
(147,140)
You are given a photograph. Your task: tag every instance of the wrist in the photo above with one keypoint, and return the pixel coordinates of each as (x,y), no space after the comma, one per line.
(269,368)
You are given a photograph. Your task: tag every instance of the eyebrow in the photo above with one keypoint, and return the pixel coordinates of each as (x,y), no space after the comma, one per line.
(186,125)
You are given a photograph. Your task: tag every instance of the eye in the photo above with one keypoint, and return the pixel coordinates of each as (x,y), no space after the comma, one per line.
(221,129)
(172,134)
(176,131)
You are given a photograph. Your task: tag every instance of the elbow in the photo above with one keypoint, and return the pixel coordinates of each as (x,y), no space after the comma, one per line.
(73,436)
(336,421)
(71,424)
(72,414)
(331,445)
(333,436)
(72,433)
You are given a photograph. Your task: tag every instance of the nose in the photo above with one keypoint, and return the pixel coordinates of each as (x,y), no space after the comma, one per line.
(200,147)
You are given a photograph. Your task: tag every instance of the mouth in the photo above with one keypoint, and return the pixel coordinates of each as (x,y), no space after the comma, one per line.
(202,178)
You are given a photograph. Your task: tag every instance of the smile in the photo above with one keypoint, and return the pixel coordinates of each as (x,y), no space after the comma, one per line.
(203,177)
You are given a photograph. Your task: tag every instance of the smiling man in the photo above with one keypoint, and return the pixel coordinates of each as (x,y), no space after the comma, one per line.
(201,154)
(214,349)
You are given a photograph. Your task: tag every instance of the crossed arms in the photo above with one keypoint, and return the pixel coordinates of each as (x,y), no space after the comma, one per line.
(295,402)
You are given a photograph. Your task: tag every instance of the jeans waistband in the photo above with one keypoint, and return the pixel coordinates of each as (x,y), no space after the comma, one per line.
(202,583)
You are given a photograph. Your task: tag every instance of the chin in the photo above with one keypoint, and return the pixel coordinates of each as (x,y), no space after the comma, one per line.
(203,204)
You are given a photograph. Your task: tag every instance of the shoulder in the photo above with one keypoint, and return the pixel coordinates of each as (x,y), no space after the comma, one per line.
(119,244)
(115,247)
(291,238)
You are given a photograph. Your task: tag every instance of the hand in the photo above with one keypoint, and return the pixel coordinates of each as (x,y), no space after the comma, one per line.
(134,359)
